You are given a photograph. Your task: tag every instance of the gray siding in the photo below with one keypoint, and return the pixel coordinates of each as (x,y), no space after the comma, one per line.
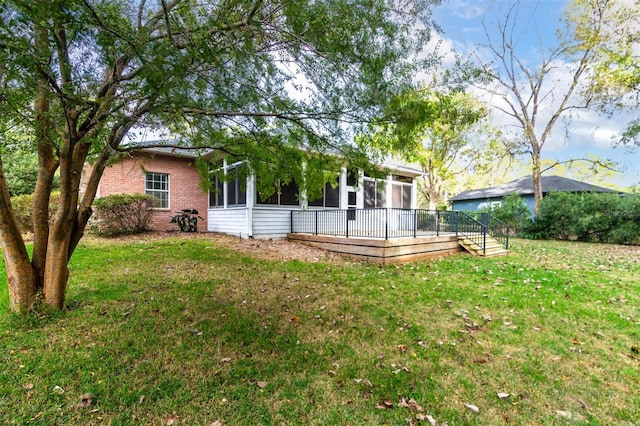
(271,222)
(228,221)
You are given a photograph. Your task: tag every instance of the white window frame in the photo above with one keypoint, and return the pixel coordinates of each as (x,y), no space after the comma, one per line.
(154,191)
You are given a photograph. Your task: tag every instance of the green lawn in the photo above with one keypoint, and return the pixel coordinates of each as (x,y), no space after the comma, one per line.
(186,331)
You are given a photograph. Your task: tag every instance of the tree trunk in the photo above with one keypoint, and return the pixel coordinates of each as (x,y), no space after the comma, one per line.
(537,183)
(20,276)
(56,269)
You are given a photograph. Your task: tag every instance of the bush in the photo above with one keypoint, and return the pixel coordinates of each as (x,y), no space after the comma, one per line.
(597,217)
(22,209)
(513,212)
(122,214)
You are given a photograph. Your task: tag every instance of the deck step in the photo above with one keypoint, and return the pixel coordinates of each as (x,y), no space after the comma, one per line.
(493,247)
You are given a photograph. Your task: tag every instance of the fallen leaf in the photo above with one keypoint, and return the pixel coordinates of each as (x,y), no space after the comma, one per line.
(57,389)
(85,401)
(216,423)
(431,420)
(223,360)
(503,395)
(402,348)
(403,403)
(472,408)
(413,404)
(28,386)
(141,400)
(384,405)
(262,385)
(172,419)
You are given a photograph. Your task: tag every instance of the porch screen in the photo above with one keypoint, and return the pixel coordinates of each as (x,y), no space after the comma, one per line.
(401,192)
(236,195)
(374,194)
(285,195)
(330,197)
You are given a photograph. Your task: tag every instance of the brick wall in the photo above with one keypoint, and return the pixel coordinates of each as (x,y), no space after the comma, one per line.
(127,176)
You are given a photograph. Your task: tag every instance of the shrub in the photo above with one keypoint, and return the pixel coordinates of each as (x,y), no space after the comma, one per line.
(598,217)
(513,212)
(122,214)
(22,209)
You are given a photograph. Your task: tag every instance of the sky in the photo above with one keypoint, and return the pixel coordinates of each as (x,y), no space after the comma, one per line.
(588,134)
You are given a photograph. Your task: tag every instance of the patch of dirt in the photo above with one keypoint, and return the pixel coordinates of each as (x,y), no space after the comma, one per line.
(282,250)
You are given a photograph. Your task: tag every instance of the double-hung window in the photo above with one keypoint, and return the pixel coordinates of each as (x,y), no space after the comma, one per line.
(157,185)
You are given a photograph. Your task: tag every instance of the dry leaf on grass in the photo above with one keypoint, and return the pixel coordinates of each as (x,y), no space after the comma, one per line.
(384,405)
(85,401)
(472,408)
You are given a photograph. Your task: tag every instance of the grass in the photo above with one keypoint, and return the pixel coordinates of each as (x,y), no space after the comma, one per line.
(190,332)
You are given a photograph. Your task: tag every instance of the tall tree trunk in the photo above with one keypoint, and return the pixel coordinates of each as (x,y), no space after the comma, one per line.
(537,182)
(56,267)
(20,276)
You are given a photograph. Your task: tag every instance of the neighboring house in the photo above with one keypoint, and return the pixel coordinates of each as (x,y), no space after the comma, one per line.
(235,207)
(479,199)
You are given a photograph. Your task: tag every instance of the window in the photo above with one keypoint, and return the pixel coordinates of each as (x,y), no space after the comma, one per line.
(157,185)
(285,195)
(375,194)
(330,196)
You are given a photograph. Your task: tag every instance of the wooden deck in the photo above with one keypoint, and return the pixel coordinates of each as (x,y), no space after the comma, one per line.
(378,250)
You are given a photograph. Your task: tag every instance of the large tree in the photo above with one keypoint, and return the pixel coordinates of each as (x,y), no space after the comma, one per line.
(442,132)
(537,97)
(254,79)
(616,81)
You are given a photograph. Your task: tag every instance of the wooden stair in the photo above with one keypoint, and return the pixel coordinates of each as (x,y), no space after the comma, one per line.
(494,248)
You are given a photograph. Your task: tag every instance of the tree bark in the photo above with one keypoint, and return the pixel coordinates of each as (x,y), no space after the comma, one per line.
(537,182)
(20,276)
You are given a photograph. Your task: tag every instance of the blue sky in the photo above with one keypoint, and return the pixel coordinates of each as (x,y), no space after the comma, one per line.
(588,134)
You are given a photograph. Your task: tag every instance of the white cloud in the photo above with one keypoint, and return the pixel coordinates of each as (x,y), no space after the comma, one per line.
(465,9)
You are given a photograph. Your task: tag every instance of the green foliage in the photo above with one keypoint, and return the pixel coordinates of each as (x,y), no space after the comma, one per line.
(122,214)
(22,209)
(433,129)
(257,80)
(20,162)
(597,217)
(513,212)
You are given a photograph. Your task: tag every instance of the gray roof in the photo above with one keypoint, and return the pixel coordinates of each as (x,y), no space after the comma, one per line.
(168,147)
(524,186)
(174,148)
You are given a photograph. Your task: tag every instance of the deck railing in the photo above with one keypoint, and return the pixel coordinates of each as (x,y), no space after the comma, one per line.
(396,223)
